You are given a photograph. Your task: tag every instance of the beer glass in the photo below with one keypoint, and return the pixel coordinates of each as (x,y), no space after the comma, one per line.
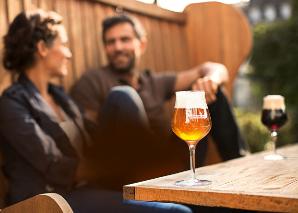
(273,117)
(191,122)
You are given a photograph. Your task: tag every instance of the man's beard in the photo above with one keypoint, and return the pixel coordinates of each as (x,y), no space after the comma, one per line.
(129,67)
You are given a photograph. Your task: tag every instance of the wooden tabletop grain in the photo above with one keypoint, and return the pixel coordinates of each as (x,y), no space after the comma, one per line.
(250,183)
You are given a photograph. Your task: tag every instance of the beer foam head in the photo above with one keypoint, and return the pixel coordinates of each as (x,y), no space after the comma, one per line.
(190,99)
(274,102)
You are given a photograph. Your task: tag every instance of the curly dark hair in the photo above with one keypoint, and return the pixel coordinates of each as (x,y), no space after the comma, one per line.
(26,30)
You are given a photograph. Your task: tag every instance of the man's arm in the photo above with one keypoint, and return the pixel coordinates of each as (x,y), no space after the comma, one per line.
(86,94)
(208,77)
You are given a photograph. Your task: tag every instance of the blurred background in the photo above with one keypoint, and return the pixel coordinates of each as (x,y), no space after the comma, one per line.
(269,69)
(272,67)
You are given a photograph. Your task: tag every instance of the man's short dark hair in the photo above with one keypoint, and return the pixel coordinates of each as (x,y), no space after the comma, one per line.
(120,19)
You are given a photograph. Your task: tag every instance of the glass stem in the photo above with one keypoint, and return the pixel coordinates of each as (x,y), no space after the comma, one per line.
(192,154)
(273,135)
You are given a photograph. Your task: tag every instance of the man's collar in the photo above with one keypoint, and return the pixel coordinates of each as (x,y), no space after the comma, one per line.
(122,78)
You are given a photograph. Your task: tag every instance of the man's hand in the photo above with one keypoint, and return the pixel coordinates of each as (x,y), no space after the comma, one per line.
(209,86)
(207,76)
(212,75)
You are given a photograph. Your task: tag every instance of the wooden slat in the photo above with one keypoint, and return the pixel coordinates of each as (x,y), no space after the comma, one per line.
(250,183)
(86,32)
(68,22)
(90,36)
(150,47)
(28,5)
(175,47)
(47,203)
(36,3)
(13,7)
(147,58)
(158,46)
(167,41)
(239,35)
(9,9)
(94,37)
(76,38)
(62,7)
(3,30)
(109,11)
(46,5)
(181,48)
(146,9)
(218,32)
(99,16)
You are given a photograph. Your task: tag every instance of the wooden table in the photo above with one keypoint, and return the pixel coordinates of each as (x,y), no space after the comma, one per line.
(250,183)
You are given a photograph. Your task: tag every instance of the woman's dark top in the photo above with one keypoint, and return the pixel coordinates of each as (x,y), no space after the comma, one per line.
(38,154)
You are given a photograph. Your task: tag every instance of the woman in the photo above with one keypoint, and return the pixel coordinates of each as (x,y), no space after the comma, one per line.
(41,129)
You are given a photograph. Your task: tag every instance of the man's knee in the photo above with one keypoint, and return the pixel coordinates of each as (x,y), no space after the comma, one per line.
(125,103)
(123,94)
(126,91)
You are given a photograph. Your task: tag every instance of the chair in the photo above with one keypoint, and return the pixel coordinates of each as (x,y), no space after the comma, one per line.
(220,33)
(45,203)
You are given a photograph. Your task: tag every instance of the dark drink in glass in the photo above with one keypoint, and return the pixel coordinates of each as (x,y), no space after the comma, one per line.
(273,117)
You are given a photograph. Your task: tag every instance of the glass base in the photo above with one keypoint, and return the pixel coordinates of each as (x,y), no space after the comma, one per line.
(274,157)
(193,182)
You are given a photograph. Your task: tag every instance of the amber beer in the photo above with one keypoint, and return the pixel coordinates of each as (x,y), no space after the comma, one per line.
(195,128)
(191,120)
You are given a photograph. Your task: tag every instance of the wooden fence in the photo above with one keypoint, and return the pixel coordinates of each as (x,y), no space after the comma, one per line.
(167,48)
(205,31)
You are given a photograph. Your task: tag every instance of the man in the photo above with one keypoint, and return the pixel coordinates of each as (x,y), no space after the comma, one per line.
(132,118)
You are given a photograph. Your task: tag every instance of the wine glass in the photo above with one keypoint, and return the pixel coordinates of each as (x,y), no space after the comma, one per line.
(191,122)
(273,117)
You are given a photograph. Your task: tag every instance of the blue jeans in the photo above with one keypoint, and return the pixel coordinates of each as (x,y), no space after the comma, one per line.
(125,135)
(123,106)
(123,113)
(123,127)
(89,200)
(125,147)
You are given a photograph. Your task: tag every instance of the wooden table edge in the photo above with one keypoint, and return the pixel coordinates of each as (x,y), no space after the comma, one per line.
(213,199)
(253,200)
(128,192)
